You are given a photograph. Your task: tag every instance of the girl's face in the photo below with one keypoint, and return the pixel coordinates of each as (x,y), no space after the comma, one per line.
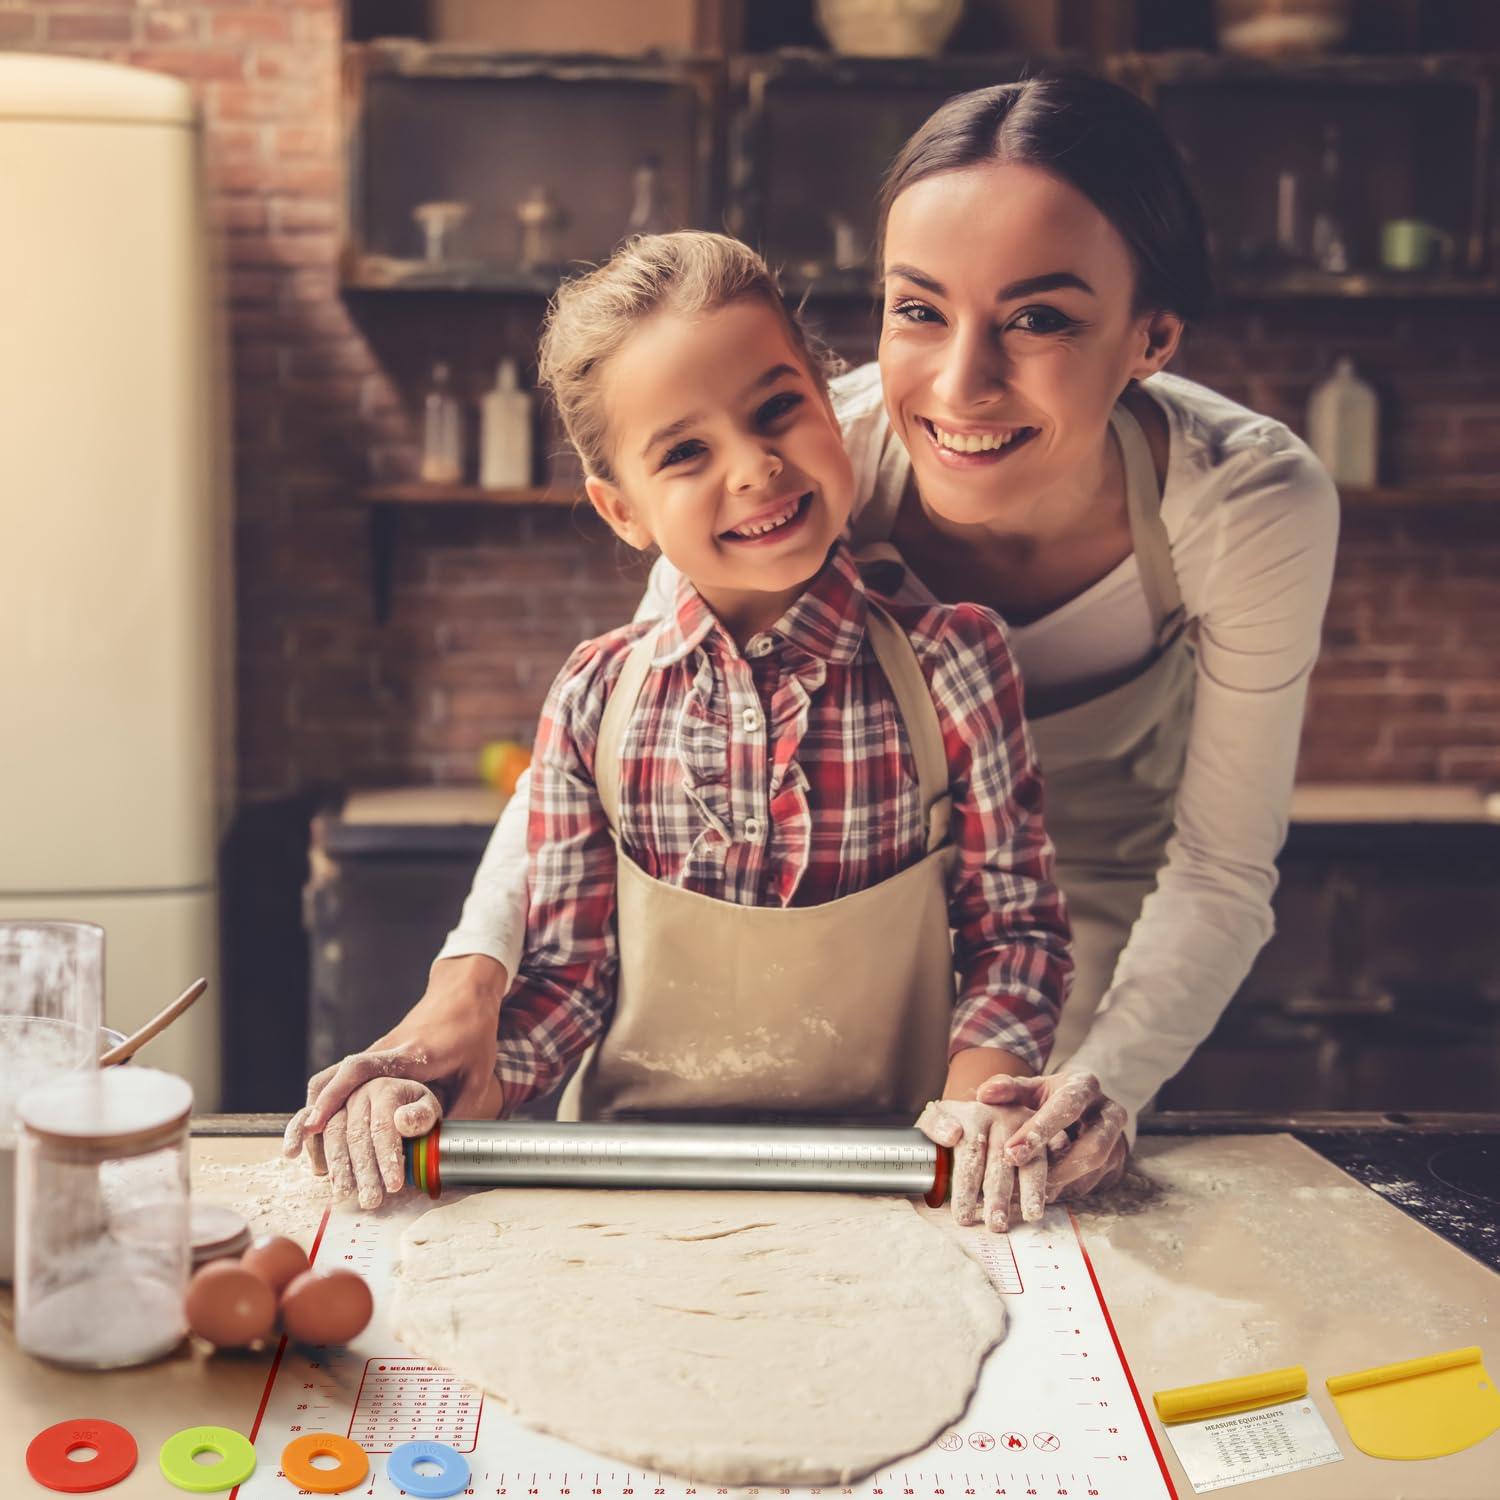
(1009,331)
(726,454)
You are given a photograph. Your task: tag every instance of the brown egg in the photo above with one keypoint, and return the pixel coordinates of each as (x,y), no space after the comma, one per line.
(326,1307)
(277,1260)
(229,1306)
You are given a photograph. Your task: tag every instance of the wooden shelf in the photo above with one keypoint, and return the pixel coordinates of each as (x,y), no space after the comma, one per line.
(456,60)
(386,273)
(1373,70)
(416,493)
(1391,286)
(1422,497)
(374,273)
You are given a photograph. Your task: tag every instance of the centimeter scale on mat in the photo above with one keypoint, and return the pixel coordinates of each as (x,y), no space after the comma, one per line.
(1056,1413)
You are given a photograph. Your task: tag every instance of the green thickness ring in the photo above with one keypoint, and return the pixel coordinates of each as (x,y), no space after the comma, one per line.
(179,1452)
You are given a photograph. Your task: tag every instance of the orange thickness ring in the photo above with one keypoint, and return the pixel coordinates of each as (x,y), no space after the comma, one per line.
(297,1463)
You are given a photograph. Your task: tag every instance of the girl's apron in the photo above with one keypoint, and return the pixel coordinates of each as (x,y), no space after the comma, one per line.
(1112,762)
(842,1008)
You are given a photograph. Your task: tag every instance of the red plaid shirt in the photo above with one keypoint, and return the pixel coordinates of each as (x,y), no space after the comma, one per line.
(782,776)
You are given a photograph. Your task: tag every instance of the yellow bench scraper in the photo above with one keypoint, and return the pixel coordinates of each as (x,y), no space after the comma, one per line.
(1420,1408)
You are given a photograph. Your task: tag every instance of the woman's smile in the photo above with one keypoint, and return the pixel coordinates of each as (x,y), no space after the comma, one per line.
(974,447)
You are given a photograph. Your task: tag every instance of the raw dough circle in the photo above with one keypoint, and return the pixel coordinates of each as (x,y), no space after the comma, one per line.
(732,1337)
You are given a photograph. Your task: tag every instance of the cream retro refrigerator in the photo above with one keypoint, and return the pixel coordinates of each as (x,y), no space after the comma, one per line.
(114,678)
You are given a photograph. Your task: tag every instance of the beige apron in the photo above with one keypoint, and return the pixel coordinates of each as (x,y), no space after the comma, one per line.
(1112,762)
(726,1010)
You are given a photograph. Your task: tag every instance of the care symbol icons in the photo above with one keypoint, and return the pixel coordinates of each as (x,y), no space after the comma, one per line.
(1013,1441)
(983,1441)
(949,1442)
(1047,1442)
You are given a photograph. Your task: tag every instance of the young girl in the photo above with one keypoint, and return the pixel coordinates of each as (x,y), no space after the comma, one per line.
(754,824)
(764,831)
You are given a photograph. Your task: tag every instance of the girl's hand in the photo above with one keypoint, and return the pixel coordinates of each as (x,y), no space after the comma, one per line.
(364,1141)
(1075,1123)
(978,1132)
(446,1040)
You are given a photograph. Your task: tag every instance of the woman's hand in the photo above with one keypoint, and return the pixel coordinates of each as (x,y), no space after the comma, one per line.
(446,1040)
(981,1168)
(364,1142)
(1092,1157)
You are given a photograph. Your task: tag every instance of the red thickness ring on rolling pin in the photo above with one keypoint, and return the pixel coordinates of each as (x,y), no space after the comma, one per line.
(434,1180)
(47,1455)
(942,1174)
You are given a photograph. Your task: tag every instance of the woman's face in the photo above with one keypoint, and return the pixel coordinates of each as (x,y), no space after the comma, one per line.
(1009,331)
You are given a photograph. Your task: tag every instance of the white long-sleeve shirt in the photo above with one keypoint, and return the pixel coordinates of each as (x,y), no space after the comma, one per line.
(1253,522)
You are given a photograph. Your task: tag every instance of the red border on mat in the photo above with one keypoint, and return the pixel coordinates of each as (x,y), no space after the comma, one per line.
(1109,1323)
(265,1395)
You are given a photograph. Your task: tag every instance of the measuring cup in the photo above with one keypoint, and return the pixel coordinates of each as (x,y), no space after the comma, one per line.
(51,1002)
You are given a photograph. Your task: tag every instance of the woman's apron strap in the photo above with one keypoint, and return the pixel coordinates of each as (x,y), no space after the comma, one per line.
(898,660)
(1153,547)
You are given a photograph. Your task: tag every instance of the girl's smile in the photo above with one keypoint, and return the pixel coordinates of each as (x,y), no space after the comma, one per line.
(772,524)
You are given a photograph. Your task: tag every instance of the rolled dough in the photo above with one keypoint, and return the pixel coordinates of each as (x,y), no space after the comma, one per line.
(731,1337)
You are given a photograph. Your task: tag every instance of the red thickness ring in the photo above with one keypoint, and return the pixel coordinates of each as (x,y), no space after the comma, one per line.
(434,1177)
(114,1455)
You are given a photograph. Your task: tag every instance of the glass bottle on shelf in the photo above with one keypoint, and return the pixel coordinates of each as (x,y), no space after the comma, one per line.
(1343,426)
(1330,243)
(541,219)
(442,431)
(648,214)
(505,433)
(438,221)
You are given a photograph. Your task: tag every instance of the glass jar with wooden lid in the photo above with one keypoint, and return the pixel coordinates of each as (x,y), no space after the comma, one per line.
(102,1247)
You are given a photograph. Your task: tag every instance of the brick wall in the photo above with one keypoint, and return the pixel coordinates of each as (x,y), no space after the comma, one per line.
(487,604)
(1406,686)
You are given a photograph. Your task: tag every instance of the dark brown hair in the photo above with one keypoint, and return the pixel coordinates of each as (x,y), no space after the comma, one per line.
(1098,138)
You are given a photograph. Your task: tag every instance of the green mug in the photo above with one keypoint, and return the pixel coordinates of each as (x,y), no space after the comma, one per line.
(1413,245)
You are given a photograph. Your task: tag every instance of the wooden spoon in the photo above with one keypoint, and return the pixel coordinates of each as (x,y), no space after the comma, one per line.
(159,1022)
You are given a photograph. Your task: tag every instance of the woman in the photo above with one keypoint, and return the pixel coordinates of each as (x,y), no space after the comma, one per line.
(1161,555)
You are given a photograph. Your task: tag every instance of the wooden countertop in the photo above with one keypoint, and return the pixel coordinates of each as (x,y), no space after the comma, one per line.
(1254,1254)
(1312,802)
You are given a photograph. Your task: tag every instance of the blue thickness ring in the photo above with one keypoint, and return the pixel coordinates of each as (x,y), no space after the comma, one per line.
(401,1470)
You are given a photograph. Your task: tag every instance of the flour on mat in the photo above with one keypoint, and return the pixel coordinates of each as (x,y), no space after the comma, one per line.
(277,1196)
(1220,1203)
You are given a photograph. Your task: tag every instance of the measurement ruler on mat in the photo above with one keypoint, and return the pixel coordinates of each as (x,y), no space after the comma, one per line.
(1056,1415)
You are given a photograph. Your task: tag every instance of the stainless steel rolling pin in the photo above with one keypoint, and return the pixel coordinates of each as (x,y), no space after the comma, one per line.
(630,1154)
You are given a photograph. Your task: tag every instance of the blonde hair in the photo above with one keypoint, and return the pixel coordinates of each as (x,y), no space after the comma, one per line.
(589,320)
